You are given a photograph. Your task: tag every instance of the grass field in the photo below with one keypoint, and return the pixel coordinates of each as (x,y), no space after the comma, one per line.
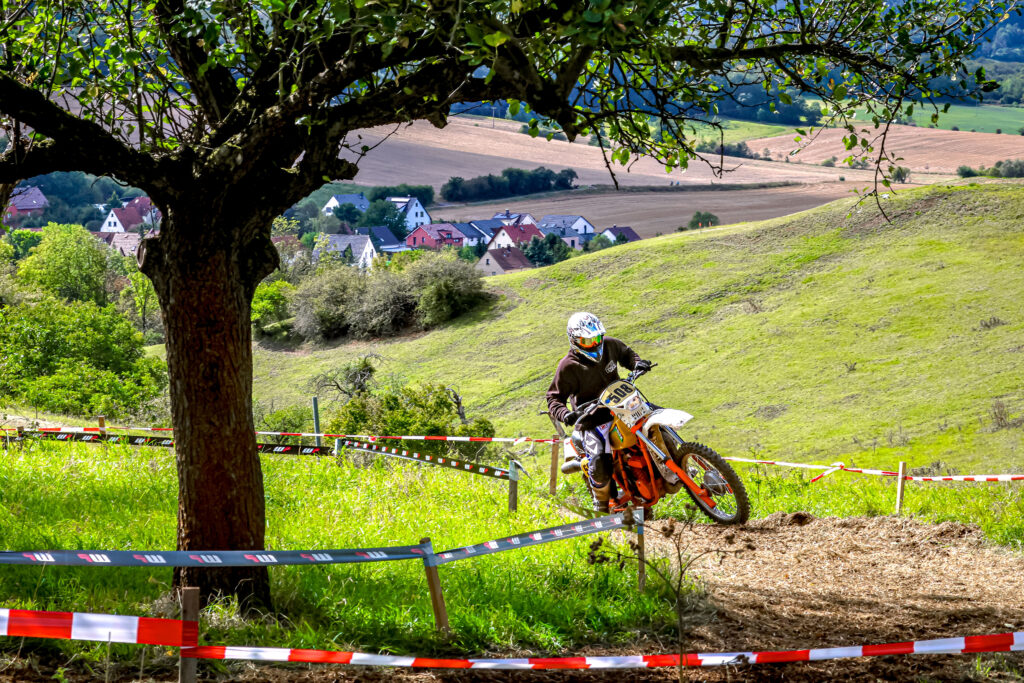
(985,118)
(818,337)
(829,335)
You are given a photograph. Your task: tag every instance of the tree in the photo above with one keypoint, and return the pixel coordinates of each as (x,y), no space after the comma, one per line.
(383,212)
(68,262)
(901,174)
(227,113)
(348,213)
(23,241)
(702,219)
(597,243)
(565,178)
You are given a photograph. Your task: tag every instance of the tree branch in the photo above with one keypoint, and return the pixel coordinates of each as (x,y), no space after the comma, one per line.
(75,144)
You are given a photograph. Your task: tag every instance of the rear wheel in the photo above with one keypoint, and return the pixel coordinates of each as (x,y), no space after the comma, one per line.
(718,479)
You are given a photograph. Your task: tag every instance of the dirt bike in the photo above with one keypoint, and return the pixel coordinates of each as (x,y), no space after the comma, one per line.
(650,460)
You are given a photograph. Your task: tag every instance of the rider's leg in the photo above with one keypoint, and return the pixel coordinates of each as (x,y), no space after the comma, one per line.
(599,468)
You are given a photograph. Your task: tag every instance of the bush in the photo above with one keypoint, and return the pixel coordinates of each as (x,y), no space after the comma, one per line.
(828,162)
(729,149)
(68,262)
(447,287)
(324,303)
(386,306)
(703,219)
(270,304)
(966,172)
(75,358)
(901,174)
(428,410)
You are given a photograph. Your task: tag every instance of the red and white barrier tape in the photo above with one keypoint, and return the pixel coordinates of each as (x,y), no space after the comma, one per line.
(365,437)
(102,627)
(840,467)
(184,634)
(1004,642)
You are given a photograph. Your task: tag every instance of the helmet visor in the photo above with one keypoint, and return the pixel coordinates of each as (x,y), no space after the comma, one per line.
(589,342)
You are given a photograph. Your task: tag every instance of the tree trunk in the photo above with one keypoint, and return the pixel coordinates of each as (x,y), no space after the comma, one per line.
(205,275)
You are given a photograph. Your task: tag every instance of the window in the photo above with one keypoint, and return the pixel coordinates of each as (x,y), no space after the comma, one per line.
(488,262)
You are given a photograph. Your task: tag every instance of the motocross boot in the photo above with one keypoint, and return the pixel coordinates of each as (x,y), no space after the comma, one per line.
(601,496)
(572,464)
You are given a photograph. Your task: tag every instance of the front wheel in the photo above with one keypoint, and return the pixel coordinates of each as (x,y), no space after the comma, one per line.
(709,471)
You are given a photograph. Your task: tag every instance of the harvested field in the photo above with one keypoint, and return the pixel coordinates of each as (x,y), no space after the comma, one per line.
(923,149)
(422,154)
(807,583)
(653,213)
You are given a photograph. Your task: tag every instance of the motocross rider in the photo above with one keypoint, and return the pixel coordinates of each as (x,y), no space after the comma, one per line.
(590,366)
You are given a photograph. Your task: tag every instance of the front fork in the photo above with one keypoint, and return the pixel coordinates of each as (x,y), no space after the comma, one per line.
(651,450)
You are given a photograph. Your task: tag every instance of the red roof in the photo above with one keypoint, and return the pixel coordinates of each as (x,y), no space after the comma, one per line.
(129,217)
(437,231)
(142,205)
(521,232)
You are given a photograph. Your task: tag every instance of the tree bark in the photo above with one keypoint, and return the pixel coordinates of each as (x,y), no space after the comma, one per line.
(205,275)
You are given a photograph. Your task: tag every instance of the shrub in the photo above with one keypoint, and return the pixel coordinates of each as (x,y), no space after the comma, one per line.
(828,162)
(999,131)
(447,287)
(386,306)
(966,172)
(324,303)
(901,174)
(428,410)
(270,304)
(703,219)
(955,128)
(511,182)
(75,358)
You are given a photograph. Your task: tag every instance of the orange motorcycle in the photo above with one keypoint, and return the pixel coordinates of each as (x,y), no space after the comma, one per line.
(650,460)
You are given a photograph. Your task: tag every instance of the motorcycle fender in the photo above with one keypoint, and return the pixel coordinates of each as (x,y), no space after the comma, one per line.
(568,450)
(668,417)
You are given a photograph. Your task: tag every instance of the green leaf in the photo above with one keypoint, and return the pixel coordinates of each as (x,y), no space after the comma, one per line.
(785,98)
(839,92)
(495,39)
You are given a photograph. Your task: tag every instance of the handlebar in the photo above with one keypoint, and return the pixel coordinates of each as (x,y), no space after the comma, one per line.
(634,375)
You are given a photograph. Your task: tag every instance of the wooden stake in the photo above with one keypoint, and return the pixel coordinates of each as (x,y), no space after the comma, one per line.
(899,487)
(189,612)
(641,551)
(102,420)
(553,482)
(436,595)
(513,486)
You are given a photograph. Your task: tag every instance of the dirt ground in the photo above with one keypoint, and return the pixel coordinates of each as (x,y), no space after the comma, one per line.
(653,213)
(422,154)
(922,149)
(806,583)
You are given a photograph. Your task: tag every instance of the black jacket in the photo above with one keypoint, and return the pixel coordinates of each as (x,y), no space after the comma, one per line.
(581,381)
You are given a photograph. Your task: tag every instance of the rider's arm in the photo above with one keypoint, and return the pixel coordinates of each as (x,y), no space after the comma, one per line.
(561,389)
(622,354)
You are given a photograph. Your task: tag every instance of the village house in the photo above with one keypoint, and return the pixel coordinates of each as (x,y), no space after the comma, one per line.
(568,235)
(26,201)
(124,243)
(135,212)
(504,260)
(627,232)
(507,217)
(473,235)
(578,223)
(413,212)
(383,239)
(435,236)
(514,235)
(357,200)
(362,248)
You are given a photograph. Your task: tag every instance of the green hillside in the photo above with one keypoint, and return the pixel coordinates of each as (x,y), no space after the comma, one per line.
(821,336)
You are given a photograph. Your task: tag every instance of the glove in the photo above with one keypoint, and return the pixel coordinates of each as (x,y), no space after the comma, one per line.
(643,366)
(571,417)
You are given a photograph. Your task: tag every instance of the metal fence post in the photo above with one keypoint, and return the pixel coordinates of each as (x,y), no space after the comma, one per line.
(434,584)
(316,419)
(189,612)
(513,486)
(899,486)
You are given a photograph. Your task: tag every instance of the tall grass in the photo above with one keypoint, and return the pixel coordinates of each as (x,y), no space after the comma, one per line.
(545,599)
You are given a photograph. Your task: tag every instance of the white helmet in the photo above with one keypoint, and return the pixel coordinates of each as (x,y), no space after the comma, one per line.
(586,336)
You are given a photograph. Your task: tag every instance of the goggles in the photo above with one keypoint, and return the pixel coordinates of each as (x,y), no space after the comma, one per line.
(589,342)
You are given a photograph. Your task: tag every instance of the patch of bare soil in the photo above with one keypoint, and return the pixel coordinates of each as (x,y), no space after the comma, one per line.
(807,583)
